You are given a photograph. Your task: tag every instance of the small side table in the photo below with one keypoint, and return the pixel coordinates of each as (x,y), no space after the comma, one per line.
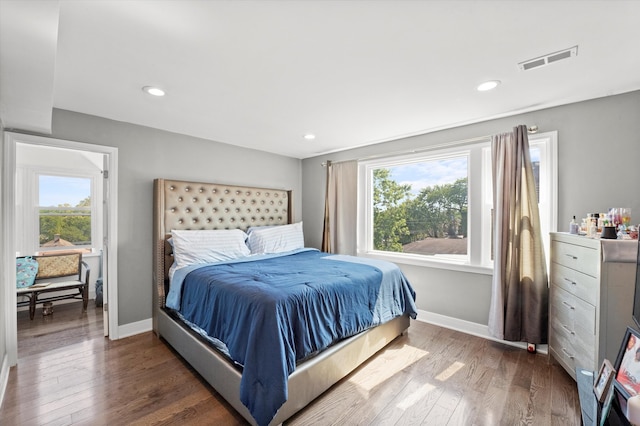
(589,406)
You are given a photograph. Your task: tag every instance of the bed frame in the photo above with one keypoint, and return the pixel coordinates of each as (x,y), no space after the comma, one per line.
(194,205)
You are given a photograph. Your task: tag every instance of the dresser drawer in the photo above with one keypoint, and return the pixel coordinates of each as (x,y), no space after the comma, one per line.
(584,323)
(572,329)
(560,344)
(586,287)
(562,307)
(570,348)
(579,258)
(568,355)
(585,359)
(578,316)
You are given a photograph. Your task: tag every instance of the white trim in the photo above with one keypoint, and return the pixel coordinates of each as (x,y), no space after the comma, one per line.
(9,249)
(4,377)
(31,209)
(550,152)
(425,261)
(134,328)
(111,246)
(478,152)
(472,150)
(9,245)
(472,328)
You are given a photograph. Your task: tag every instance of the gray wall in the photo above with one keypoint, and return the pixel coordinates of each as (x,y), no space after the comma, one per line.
(598,150)
(145,154)
(598,146)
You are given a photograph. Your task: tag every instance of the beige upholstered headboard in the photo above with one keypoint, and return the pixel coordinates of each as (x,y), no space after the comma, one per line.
(197,205)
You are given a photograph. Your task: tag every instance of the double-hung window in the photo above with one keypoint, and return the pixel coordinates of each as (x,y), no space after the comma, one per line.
(59,200)
(434,207)
(65,212)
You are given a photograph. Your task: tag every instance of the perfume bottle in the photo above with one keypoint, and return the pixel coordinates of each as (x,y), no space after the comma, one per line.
(573,226)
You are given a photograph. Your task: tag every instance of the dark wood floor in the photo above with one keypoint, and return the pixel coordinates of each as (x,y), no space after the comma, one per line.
(69,374)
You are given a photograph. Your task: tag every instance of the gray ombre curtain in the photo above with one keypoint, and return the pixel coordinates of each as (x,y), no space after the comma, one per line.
(519,299)
(340,208)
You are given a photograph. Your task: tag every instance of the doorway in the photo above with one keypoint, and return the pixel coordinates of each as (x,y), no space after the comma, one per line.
(27,159)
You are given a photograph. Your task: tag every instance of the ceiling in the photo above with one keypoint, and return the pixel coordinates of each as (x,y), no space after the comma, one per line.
(262,74)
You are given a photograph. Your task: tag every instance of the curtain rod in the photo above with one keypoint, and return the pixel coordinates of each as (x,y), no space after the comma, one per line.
(531,130)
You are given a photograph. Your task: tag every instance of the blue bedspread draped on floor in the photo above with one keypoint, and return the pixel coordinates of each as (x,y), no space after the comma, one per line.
(274,312)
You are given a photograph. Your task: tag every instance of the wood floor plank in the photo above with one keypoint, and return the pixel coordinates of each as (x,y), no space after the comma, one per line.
(413,405)
(564,398)
(516,407)
(69,374)
(493,405)
(468,409)
(375,394)
(540,382)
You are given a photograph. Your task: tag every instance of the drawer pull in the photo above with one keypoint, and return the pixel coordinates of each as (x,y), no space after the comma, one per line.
(570,282)
(567,354)
(568,329)
(568,305)
(572,256)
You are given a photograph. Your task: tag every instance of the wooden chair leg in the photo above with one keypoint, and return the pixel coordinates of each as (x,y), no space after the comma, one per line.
(85,297)
(32,306)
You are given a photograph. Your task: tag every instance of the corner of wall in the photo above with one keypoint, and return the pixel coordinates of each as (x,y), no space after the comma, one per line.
(4,375)
(4,365)
(471,328)
(134,328)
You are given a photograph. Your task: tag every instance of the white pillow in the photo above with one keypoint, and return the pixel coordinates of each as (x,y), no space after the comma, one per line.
(206,246)
(256,228)
(276,239)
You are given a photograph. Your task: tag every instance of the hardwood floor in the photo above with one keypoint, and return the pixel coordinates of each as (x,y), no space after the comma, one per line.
(69,374)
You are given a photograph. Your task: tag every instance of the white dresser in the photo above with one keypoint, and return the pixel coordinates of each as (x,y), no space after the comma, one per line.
(592,286)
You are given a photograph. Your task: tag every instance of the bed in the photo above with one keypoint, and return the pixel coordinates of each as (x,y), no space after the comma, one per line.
(182,206)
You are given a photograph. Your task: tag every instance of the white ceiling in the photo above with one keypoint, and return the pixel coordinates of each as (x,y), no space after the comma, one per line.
(261,74)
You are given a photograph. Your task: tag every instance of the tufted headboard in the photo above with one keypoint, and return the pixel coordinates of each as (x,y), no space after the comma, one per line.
(196,205)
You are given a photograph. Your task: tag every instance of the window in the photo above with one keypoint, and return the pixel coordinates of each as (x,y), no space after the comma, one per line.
(420,206)
(64,212)
(59,200)
(435,207)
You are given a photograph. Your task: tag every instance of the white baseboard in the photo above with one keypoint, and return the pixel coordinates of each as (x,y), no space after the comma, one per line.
(4,376)
(134,328)
(473,328)
(468,327)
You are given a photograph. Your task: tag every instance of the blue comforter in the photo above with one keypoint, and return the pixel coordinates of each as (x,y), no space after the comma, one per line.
(276,311)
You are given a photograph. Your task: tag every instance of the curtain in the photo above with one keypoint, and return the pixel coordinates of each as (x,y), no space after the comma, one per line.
(340,209)
(519,299)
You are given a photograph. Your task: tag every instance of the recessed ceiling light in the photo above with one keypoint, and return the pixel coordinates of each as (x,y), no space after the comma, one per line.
(488,85)
(309,136)
(155,91)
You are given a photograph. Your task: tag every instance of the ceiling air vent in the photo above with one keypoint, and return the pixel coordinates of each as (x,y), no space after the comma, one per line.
(548,59)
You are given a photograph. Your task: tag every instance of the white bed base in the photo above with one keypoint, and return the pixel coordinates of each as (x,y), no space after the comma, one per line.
(191,205)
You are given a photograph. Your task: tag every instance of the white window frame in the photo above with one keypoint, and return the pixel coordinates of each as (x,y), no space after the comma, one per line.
(479,201)
(31,240)
(93,209)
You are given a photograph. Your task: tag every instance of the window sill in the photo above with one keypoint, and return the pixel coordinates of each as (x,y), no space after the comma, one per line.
(428,263)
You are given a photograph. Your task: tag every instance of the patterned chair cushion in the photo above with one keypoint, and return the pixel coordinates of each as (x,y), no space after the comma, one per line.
(58,265)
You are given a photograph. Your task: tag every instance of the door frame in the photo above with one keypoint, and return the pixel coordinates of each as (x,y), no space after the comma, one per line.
(8,228)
